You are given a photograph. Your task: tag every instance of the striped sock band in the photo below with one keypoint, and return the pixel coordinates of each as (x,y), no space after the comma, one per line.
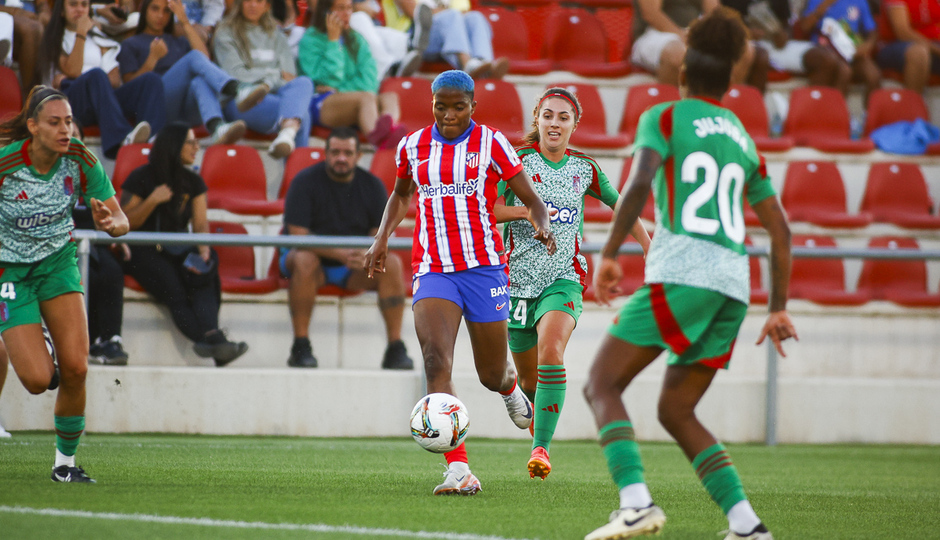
(549,401)
(622,452)
(719,476)
(68,430)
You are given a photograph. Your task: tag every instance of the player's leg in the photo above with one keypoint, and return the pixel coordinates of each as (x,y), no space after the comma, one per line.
(391,288)
(3,377)
(305,272)
(65,318)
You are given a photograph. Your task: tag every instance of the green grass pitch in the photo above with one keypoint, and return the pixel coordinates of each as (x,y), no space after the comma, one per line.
(170,486)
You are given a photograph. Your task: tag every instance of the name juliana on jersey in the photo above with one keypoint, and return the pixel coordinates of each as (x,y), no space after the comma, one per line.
(720,126)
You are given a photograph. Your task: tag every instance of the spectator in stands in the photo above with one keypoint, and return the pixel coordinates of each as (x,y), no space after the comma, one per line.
(660,28)
(285,13)
(338,60)
(104,294)
(166,196)
(115,19)
(24,40)
(392,49)
(193,84)
(462,37)
(852,21)
(769,24)
(336,197)
(249,47)
(913,40)
(204,16)
(82,62)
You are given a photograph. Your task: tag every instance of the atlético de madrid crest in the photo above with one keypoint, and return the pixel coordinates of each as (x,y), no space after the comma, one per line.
(473,160)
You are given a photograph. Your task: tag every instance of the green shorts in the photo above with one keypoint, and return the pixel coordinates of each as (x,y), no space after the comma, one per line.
(696,325)
(562,295)
(24,286)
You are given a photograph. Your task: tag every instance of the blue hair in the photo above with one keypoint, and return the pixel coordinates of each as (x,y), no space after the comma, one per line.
(456,79)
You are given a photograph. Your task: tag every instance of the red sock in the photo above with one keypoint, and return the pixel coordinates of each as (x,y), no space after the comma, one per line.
(457,454)
(511,390)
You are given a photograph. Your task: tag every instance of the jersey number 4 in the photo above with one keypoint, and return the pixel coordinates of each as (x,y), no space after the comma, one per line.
(727,184)
(8,291)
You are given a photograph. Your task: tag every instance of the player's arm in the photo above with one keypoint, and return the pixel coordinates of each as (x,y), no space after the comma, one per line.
(395,210)
(778,325)
(537,212)
(636,190)
(109,217)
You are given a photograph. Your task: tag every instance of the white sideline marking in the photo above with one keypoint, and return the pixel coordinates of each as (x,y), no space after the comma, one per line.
(207,522)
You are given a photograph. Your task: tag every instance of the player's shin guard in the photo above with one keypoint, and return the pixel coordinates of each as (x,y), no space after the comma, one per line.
(68,430)
(719,476)
(622,452)
(549,401)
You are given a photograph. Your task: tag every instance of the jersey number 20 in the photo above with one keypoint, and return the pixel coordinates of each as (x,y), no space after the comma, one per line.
(727,184)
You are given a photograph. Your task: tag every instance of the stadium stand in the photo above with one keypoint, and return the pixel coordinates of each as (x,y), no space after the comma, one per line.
(759,294)
(819,118)
(498,105)
(897,193)
(903,282)
(129,157)
(237,263)
(511,40)
(889,105)
(414,98)
(577,42)
(236,179)
(821,281)
(11,97)
(748,104)
(592,126)
(813,191)
(383,166)
(639,98)
(298,160)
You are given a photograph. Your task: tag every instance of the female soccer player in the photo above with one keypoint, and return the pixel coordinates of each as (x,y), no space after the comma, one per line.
(699,161)
(44,171)
(458,260)
(546,291)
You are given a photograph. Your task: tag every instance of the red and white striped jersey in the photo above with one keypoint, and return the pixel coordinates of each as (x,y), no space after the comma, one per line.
(456,181)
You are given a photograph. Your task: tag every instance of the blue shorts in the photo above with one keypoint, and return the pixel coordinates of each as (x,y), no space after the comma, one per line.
(316,104)
(482,292)
(335,275)
(891,56)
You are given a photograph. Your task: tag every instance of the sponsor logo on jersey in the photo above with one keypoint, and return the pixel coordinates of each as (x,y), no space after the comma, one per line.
(69,188)
(497,291)
(41,219)
(564,215)
(461,189)
(22,196)
(473,160)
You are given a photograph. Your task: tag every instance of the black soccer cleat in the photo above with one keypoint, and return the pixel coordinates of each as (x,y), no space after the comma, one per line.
(64,473)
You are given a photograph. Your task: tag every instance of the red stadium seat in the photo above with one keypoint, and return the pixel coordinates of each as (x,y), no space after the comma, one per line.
(405,256)
(902,282)
(236,179)
(129,157)
(11,97)
(813,191)
(819,118)
(499,107)
(634,271)
(759,294)
(617,19)
(641,97)
(511,40)
(747,103)
(414,100)
(821,281)
(897,193)
(649,209)
(298,160)
(889,105)
(537,15)
(383,166)
(592,126)
(576,42)
(237,263)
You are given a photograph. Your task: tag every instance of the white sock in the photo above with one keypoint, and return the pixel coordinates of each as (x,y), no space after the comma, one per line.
(635,496)
(62,459)
(459,467)
(742,518)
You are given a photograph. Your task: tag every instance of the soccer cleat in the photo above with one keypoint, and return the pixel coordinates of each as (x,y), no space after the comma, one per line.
(456,483)
(759,533)
(630,523)
(4,434)
(520,410)
(64,473)
(539,464)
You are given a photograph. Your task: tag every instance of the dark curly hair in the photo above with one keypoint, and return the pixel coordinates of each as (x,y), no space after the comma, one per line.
(715,43)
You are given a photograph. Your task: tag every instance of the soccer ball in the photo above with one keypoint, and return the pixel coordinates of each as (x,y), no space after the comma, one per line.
(439,422)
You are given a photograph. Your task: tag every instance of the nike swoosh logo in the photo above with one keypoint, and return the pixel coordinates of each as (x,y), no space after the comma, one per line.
(500,306)
(461,478)
(528,408)
(629,523)
(61,478)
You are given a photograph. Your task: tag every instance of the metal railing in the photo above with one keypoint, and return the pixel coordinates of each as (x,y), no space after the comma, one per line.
(86,237)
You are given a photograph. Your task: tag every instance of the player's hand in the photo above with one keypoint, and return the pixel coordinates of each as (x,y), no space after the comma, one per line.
(607,278)
(779,328)
(374,258)
(161,194)
(102,216)
(547,237)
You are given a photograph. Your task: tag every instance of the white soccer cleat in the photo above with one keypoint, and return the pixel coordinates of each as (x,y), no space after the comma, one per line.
(630,523)
(4,434)
(759,533)
(458,482)
(520,410)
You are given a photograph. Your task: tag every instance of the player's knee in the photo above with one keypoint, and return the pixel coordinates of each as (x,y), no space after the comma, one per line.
(671,416)
(73,373)
(37,385)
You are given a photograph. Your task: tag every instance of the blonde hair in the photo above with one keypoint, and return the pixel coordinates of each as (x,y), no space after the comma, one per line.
(239,26)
